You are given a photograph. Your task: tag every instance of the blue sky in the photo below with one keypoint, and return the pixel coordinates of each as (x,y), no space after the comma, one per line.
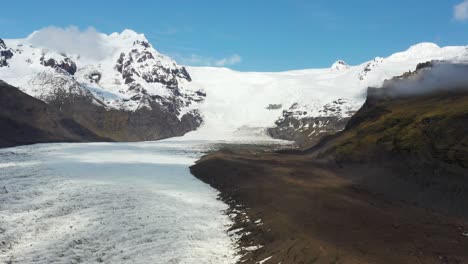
(257,35)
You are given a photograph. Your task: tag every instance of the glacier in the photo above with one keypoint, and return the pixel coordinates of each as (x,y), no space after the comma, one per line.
(241,99)
(110,203)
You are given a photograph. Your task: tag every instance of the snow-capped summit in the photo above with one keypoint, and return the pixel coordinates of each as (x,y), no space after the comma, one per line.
(426,49)
(125,72)
(424,46)
(121,73)
(130,34)
(339,65)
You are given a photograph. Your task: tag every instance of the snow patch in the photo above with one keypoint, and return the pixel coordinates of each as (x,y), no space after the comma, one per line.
(264,260)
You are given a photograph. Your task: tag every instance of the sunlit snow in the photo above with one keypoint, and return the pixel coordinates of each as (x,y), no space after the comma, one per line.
(240,99)
(111,203)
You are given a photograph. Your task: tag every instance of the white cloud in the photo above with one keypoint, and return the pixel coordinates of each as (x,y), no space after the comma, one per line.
(71,40)
(91,45)
(461,11)
(197,60)
(233,59)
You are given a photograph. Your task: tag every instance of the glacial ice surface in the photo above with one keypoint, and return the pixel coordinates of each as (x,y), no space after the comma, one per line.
(109,203)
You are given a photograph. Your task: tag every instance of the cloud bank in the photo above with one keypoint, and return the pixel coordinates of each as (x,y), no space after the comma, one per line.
(442,77)
(461,11)
(91,45)
(71,40)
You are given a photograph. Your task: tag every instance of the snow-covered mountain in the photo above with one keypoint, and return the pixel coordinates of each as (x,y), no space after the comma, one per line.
(339,65)
(157,94)
(129,77)
(301,105)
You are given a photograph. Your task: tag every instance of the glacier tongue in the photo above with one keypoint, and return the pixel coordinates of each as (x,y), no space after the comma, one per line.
(109,203)
(242,100)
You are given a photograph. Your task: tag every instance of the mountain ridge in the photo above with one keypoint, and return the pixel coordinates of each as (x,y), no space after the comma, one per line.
(126,74)
(133,94)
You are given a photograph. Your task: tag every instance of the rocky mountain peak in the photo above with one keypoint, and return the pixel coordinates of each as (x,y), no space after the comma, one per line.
(339,65)
(369,67)
(127,39)
(65,64)
(124,89)
(128,33)
(2,44)
(5,54)
(145,64)
(124,73)
(142,43)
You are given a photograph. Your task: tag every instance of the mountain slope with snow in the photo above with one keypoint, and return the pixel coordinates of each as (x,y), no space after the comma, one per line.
(127,77)
(127,90)
(301,104)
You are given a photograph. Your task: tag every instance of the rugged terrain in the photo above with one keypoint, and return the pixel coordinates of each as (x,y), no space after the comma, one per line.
(306,130)
(26,120)
(301,105)
(390,188)
(127,92)
(421,136)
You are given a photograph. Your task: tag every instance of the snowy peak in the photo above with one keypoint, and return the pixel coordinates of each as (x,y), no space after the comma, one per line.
(428,51)
(125,38)
(130,34)
(339,65)
(142,61)
(117,85)
(422,47)
(123,70)
(371,65)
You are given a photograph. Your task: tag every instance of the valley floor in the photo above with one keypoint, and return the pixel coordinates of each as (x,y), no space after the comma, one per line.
(303,211)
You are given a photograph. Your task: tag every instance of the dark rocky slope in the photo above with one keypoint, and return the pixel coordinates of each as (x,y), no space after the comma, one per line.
(391,188)
(26,120)
(70,116)
(308,131)
(410,146)
(147,123)
(138,95)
